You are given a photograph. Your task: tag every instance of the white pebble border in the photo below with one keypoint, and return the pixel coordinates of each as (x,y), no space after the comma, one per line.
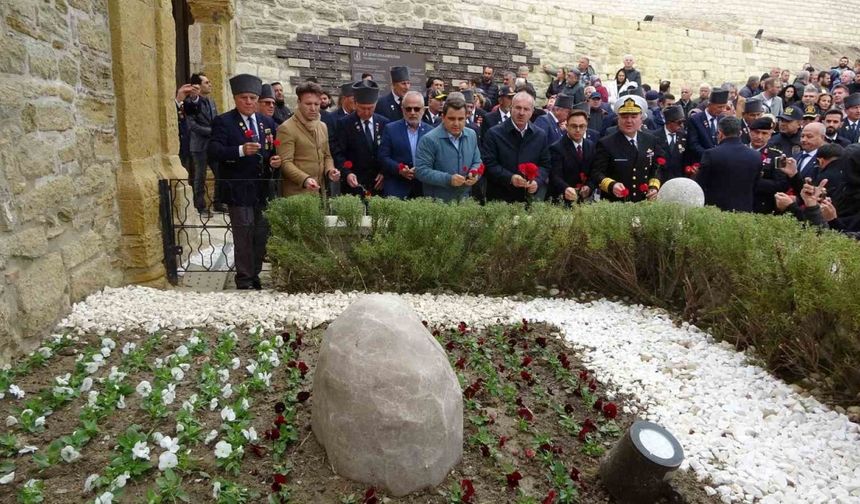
(750,433)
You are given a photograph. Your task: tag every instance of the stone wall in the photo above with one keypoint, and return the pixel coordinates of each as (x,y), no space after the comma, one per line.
(59,230)
(555,32)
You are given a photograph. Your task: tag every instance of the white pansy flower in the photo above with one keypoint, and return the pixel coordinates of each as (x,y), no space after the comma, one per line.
(120,404)
(140,450)
(10,421)
(143,389)
(88,484)
(39,422)
(223,375)
(86,385)
(250,434)
(216,489)
(180,427)
(252,367)
(46,352)
(105,498)
(169,394)
(211,436)
(9,478)
(228,414)
(69,454)
(105,352)
(121,480)
(182,351)
(245,404)
(266,378)
(115,374)
(194,341)
(177,374)
(63,391)
(167,460)
(27,449)
(92,397)
(236,362)
(170,444)
(227,391)
(223,449)
(128,348)
(108,343)
(213,404)
(185,366)
(64,379)
(16,391)
(159,362)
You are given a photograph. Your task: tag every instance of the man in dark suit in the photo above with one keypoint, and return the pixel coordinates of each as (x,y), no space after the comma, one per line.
(358,137)
(551,123)
(399,144)
(475,115)
(510,144)
(389,105)
(243,142)
(753,109)
(571,158)
(673,141)
(200,126)
(282,111)
(851,128)
(625,162)
(501,114)
(788,138)
(702,128)
(730,170)
(600,116)
(771,178)
(490,88)
(433,113)
(832,120)
(811,139)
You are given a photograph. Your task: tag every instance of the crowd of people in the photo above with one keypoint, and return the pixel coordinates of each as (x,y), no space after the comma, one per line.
(774,145)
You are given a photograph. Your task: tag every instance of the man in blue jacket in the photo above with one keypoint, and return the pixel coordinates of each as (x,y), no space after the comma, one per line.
(511,144)
(551,123)
(447,155)
(358,136)
(243,142)
(729,171)
(702,127)
(399,145)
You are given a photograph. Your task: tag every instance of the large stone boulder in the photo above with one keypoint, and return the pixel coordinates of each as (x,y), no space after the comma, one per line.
(387,406)
(683,191)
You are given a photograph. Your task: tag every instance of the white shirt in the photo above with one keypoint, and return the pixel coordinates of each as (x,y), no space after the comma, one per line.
(809,157)
(250,126)
(671,138)
(504,116)
(362,121)
(633,139)
(522,131)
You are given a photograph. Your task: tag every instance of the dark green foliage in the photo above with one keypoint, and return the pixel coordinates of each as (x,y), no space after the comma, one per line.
(791,292)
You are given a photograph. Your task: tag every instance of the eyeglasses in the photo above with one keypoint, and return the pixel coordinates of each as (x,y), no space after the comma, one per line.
(412,109)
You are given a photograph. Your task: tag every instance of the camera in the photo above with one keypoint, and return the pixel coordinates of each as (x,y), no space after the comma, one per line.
(780,162)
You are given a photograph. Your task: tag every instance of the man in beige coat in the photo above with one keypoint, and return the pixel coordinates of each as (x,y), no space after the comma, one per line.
(303,146)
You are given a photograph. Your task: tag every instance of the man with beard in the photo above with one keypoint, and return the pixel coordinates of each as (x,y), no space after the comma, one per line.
(625,163)
(389,105)
(490,88)
(282,111)
(832,125)
(399,146)
(771,178)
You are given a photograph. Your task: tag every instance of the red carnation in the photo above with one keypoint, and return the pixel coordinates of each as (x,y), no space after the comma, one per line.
(643,187)
(550,498)
(276,143)
(514,479)
(481,169)
(529,170)
(763,156)
(625,192)
(696,166)
(610,410)
(661,161)
(347,165)
(402,166)
(249,134)
(468,491)
(688,170)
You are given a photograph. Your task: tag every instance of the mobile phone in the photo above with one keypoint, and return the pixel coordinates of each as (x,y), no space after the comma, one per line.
(780,162)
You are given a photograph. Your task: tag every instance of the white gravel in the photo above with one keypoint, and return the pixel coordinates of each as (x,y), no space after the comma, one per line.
(756,439)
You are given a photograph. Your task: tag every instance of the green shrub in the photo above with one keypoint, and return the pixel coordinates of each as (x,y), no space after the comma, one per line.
(753,280)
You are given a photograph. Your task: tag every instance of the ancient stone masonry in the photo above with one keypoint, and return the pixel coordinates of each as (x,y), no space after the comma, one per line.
(59,230)
(452,52)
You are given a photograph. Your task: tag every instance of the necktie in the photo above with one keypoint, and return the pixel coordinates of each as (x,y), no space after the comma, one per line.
(253,127)
(579,152)
(713,127)
(633,143)
(801,163)
(671,140)
(368,135)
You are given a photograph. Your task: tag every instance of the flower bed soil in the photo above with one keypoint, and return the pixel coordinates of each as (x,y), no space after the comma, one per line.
(535,425)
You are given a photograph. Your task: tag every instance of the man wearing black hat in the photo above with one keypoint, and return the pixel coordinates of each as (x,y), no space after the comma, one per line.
(358,137)
(753,109)
(501,114)
(626,161)
(552,123)
(572,157)
(771,178)
(788,139)
(266,103)
(702,128)
(389,105)
(433,112)
(282,111)
(475,115)
(243,142)
(673,141)
(729,171)
(851,128)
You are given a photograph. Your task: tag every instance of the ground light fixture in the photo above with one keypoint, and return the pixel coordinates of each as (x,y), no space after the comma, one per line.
(635,470)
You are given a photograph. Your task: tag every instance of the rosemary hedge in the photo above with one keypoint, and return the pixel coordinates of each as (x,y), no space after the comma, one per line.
(753,280)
